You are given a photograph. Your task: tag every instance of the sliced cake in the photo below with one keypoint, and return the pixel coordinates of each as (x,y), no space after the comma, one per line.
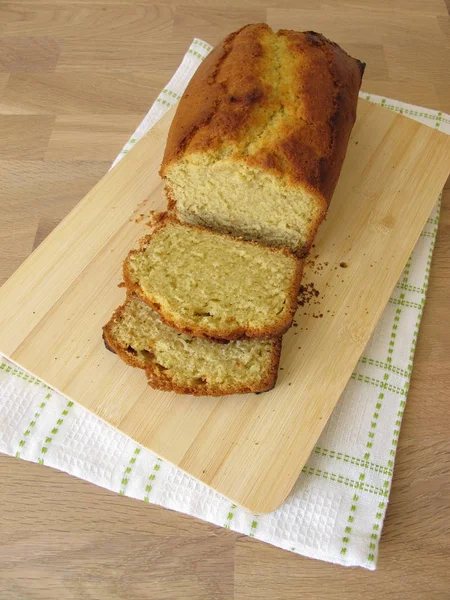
(174,361)
(208,284)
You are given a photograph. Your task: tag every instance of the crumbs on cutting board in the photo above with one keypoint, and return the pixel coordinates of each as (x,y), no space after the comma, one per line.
(155,217)
(140,205)
(308,294)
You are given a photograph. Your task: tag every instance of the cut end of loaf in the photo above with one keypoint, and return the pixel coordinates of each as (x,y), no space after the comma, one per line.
(243,201)
(177,362)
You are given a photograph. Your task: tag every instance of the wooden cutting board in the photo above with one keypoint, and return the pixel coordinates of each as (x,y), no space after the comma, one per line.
(250,448)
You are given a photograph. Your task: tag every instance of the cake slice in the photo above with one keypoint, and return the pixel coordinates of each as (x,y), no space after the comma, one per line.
(260,135)
(177,362)
(208,284)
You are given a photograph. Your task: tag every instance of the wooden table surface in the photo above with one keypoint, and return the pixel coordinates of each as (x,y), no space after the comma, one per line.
(75,79)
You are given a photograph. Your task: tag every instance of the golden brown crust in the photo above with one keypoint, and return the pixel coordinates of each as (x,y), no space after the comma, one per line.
(313,87)
(128,355)
(330,106)
(160,380)
(198,103)
(277,329)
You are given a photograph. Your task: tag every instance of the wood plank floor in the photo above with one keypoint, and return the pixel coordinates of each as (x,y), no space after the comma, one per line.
(76,77)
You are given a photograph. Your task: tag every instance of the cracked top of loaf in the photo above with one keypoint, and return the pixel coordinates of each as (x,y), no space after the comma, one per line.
(282,101)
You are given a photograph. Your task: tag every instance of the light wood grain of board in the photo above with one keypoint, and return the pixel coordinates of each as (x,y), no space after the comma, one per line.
(249,448)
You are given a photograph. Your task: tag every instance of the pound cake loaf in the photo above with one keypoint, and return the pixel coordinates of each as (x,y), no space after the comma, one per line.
(259,137)
(184,364)
(208,284)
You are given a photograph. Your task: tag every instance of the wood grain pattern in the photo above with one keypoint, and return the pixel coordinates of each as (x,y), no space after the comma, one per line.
(249,448)
(45,508)
(88,137)
(30,135)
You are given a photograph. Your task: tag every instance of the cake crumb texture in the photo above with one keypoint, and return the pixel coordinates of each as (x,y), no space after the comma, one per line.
(174,361)
(208,284)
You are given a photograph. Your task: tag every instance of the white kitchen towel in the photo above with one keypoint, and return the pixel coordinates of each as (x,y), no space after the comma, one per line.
(335,511)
